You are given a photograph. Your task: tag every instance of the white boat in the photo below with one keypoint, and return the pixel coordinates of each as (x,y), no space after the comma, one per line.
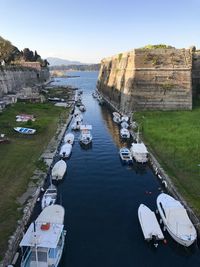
(149,224)
(139,152)
(124,133)
(85,136)
(95,94)
(116,117)
(65,151)
(49,197)
(59,170)
(25,118)
(124,124)
(176,220)
(116,114)
(78,116)
(82,108)
(77,123)
(43,243)
(124,118)
(125,155)
(61,104)
(23,130)
(69,138)
(76,112)
(100,100)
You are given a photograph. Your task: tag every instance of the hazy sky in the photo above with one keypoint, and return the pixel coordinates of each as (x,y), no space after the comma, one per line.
(90,30)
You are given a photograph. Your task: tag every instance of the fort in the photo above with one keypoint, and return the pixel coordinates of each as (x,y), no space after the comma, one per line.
(151,79)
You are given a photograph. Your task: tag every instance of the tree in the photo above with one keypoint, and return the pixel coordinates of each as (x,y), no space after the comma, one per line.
(6,49)
(28,55)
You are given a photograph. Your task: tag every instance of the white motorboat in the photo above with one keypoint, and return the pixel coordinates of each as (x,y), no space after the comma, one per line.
(59,170)
(125,155)
(176,220)
(65,151)
(124,133)
(124,118)
(43,243)
(95,94)
(76,112)
(23,130)
(77,123)
(139,152)
(149,224)
(49,197)
(116,117)
(69,138)
(82,108)
(124,124)
(100,100)
(85,136)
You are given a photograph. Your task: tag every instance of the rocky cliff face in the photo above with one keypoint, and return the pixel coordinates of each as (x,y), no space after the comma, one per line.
(148,79)
(14,79)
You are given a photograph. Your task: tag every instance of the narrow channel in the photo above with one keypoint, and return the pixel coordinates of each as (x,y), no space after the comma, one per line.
(101,198)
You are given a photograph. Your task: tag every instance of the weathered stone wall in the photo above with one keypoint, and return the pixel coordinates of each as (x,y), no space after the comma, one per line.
(196,74)
(13,79)
(148,79)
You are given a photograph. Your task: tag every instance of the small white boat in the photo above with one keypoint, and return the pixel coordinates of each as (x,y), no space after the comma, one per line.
(23,130)
(116,117)
(78,117)
(116,114)
(124,118)
(76,112)
(125,155)
(69,138)
(139,152)
(49,197)
(43,243)
(100,100)
(25,118)
(82,108)
(77,123)
(95,94)
(59,170)
(61,104)
(124,124)
(124,133)
(176,220)
(65,151)
(149,224)
(85,136)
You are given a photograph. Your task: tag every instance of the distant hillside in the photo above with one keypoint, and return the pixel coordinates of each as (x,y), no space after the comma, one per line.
(54,61)
(84,67)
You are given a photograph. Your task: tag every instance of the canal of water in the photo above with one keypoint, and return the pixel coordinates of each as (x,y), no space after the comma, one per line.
(101,198)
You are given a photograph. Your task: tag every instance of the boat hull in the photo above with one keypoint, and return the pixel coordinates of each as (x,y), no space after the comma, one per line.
(185,242)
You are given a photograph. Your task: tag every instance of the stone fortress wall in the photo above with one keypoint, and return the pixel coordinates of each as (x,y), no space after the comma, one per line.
(14,79)
(161,78)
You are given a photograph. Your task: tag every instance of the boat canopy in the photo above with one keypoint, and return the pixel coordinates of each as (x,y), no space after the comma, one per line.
(86,127)
(48,228)
(42,238)
(139,148)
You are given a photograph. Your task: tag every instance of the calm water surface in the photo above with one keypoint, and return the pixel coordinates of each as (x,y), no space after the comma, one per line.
(101,199)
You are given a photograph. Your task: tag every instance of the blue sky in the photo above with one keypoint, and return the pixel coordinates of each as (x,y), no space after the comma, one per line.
(90,30)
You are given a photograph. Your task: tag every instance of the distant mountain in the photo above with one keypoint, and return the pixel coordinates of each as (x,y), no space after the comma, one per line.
(54,61)
(83,67)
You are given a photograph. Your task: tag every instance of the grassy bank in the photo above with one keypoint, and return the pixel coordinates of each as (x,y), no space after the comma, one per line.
(19,159)
(174,138)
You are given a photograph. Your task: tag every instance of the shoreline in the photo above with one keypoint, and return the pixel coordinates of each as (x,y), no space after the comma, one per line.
(29,198)
(162,176)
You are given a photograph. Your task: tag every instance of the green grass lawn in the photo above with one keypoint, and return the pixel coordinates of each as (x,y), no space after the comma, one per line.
(19,159)
(174,138)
